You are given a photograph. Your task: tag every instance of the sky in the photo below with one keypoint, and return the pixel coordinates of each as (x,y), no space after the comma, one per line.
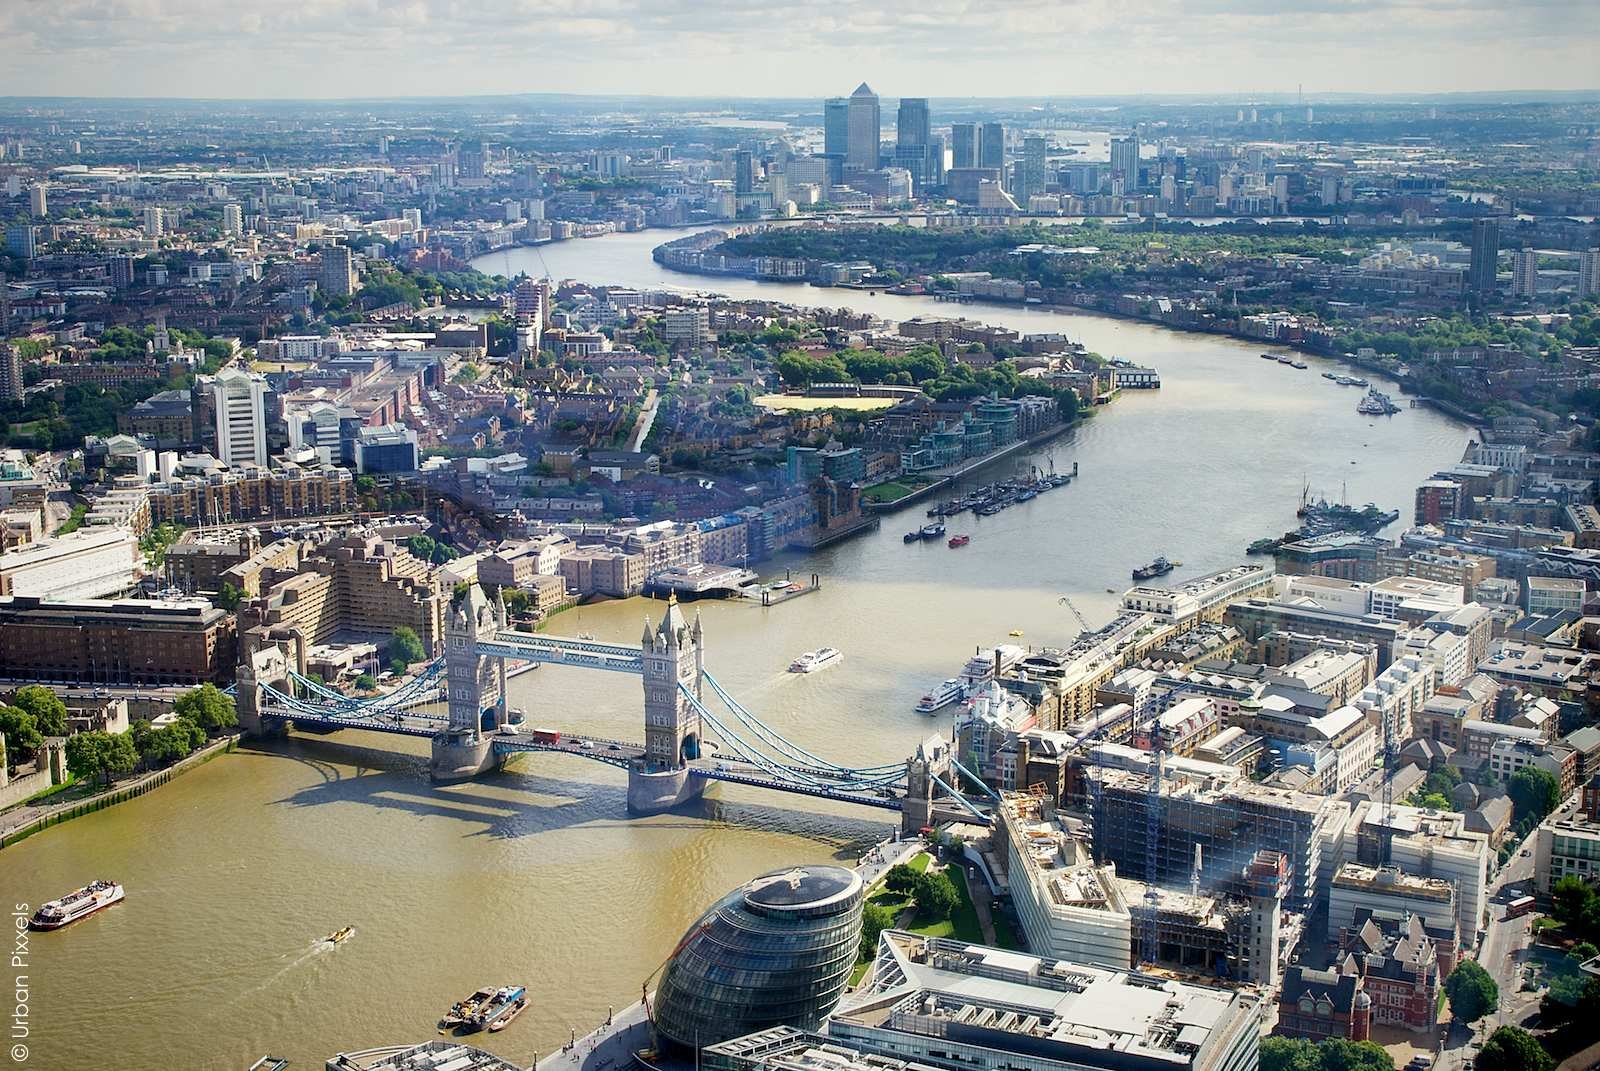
(755,48)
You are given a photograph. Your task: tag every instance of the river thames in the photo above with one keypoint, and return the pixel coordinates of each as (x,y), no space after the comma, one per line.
(536,875)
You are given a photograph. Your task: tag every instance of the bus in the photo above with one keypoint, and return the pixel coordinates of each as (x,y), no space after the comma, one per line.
(1519,907)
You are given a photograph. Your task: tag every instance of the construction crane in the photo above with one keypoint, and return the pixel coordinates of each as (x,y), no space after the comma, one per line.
(1083,622)
(1386,834)
(1149,934)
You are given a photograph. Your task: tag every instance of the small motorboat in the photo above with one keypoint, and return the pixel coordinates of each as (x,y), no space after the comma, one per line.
(339,936)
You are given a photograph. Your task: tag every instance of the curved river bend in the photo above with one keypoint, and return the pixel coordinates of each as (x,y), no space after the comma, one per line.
(535,875)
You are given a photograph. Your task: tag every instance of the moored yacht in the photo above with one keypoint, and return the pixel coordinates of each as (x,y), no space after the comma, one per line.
(941,696)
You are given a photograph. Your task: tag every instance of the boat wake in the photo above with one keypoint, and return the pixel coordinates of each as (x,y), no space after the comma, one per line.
(321,946)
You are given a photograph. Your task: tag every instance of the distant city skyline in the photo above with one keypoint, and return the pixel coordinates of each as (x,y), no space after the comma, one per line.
(729,48)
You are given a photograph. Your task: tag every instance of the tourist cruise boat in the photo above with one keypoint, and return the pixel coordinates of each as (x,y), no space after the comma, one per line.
(78,904)
(811,661)
(941,696)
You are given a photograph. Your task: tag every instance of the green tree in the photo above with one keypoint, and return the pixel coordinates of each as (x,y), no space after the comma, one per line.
(1511,1048)
(936,895)
(875,918)
(208,707)
(404,646)
(102,756)
(366,682)
(517,601)
(21,732)
(901,879)
(1534,793)
(1570,899)
(1473,994)
(1339,1054)
(1289,1054)
(229,597)
(49,712)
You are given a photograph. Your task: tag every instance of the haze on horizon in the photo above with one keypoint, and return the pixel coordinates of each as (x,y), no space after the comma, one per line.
(740,48)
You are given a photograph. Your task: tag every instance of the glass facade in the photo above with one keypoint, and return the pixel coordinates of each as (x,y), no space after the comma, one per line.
(777,950)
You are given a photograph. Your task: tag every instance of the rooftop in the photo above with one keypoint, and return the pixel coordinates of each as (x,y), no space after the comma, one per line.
(1013,1002)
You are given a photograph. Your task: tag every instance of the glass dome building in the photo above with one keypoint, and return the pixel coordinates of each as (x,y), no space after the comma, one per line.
(777,950)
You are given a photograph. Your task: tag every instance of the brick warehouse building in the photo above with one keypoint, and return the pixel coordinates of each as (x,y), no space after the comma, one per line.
(102,641)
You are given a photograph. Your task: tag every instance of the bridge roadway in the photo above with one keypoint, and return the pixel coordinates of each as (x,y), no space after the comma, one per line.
(618,753)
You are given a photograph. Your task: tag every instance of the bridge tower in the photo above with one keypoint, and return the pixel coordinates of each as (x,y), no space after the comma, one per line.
(673,661)
(477,687)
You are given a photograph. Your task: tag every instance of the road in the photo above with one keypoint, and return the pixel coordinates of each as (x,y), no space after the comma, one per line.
(1502,953)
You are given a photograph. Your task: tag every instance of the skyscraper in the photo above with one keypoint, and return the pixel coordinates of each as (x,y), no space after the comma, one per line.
(240,402)
(964,145)
(911,122)
(1525,273)
(38,201)
(232,220)
(155,221)
(1035,154)
(22,240)
(338,276)
(744,171)
(866,130)
(836,135)
(10,372)
(936,162)
(992,146)
(120,268)
(1125,160)
(912,135)
(1589,273)
(1483,269)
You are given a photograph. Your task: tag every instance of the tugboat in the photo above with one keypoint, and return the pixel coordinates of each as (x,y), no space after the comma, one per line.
(78,904)
(960,540)
(1159,567)
(912,537)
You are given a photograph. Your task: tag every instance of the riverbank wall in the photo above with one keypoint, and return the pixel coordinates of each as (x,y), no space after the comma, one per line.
(922,493)
(66,812)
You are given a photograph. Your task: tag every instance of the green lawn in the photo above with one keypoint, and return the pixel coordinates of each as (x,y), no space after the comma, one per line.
(891,490)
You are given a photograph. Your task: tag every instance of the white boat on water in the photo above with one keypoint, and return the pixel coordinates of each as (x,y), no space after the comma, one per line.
(78,904)
(811,661)
(941,696)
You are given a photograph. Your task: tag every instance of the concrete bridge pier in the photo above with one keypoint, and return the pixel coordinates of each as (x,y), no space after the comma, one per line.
(657,791)
(461,756)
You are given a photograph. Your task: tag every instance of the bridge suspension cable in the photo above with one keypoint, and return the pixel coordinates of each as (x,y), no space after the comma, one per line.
(839,779)
(776,740)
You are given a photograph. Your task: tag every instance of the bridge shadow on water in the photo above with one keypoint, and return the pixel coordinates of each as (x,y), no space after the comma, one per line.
(350,772)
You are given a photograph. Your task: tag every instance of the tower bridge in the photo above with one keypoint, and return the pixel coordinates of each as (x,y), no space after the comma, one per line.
(683,703)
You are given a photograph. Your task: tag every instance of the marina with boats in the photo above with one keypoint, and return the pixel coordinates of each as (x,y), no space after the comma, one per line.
(990,499)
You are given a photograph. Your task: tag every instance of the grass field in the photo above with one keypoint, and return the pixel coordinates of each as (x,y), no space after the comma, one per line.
(795,401)
(891,490)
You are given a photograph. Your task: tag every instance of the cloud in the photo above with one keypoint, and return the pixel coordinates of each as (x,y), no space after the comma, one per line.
(338,48)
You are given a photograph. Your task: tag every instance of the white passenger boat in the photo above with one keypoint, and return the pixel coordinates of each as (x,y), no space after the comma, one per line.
(941,696)
(811,661)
